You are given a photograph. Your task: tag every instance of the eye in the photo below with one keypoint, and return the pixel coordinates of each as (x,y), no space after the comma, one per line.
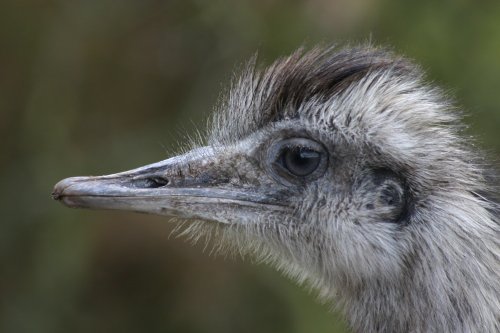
(298,159)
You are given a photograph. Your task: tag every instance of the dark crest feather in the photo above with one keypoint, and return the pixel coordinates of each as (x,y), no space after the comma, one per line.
(277,92)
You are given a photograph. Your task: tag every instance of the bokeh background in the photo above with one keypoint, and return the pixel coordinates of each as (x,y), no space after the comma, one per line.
(98,86)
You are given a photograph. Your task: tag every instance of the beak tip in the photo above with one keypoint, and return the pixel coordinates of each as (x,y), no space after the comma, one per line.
(57,192)
(59,189)
(56,195)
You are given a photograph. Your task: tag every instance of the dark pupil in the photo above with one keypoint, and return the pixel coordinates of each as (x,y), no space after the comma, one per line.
(301,161)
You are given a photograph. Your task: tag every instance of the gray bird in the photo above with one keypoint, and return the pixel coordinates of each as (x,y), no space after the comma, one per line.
(345,170)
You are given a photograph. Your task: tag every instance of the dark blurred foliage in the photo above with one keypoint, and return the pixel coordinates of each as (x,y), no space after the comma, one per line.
(98,86)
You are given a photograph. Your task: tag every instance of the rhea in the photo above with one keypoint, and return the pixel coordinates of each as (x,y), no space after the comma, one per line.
(347,171)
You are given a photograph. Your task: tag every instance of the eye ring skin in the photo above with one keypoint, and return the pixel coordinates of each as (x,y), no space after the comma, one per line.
(278,170)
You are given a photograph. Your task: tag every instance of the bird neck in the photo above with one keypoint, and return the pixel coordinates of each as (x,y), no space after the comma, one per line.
(447,294)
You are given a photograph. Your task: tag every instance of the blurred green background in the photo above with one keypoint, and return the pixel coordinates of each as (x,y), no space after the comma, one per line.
(98,86)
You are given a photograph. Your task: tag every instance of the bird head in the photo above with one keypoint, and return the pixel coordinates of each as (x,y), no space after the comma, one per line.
(342,167)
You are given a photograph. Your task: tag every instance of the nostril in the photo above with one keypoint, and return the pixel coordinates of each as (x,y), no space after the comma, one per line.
(151,182)
(158,181)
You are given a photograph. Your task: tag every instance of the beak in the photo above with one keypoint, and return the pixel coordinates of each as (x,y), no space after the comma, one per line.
(195,185)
